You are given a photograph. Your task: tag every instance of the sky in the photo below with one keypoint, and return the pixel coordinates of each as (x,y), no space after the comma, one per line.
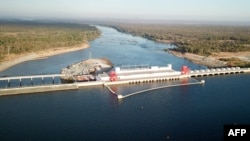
(213,10)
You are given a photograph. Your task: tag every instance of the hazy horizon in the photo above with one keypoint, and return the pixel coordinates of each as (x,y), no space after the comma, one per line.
(161,11)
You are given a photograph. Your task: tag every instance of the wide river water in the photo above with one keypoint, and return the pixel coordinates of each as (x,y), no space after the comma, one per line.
(185,113)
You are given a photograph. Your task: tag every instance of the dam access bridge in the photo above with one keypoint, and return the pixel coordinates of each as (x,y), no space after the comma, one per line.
(31,78)
(156,77)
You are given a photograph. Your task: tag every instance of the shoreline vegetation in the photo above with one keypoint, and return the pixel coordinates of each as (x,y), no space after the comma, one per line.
(24,41)
(212,46)
(198,59)
(14,59)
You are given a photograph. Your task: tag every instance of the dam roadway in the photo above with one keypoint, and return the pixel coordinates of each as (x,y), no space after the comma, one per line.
(77,85)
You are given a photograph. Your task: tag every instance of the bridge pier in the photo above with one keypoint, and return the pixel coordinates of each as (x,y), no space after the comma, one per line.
(53,81)
(31,81)
(8,82)
(42,80)
(20,82)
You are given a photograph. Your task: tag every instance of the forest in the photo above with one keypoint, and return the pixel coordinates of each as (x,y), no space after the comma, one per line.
(197,39)
(22,37)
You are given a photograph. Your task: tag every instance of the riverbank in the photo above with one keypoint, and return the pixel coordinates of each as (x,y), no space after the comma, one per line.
(220,59)
(197,39)
(14,59)
(202,60)
(214,60)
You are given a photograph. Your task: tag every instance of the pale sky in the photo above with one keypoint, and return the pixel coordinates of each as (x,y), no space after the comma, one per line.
(221,10)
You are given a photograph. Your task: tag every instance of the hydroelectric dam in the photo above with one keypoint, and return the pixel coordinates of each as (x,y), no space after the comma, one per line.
(124,75)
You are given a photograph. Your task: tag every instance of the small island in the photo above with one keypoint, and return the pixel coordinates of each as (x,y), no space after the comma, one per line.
(85,70)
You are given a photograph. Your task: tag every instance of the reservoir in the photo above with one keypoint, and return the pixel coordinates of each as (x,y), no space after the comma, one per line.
(195,112)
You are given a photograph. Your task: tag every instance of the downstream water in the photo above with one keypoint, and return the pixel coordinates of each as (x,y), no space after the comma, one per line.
(195,112)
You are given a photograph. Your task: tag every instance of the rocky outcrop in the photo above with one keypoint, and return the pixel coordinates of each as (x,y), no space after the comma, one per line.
(85,70)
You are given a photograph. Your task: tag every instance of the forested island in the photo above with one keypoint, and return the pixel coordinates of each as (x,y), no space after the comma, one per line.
(18,37)
(204,40)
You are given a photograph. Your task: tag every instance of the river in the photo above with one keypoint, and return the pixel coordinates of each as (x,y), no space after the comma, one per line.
(195,112)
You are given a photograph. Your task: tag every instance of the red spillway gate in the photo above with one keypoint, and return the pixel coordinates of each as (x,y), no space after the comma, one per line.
(112,76)
(184,70)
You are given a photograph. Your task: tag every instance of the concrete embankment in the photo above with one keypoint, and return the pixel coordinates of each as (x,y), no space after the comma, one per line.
(36,89)
(91,83)
(60,87)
